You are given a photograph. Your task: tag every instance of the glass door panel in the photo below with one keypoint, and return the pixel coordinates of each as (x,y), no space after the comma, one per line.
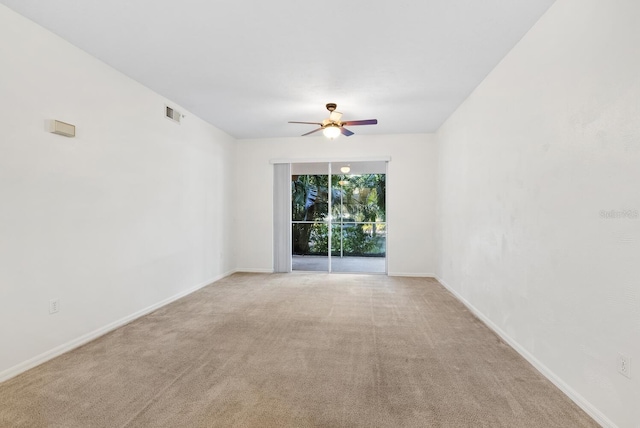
(359,218)
(309,217)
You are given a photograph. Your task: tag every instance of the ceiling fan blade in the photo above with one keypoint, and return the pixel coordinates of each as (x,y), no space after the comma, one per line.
(315,130)
(309,123)
(361,122)
(346,132)
(335,116)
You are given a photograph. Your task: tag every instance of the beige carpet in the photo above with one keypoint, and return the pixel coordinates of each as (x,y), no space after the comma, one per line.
(296,350)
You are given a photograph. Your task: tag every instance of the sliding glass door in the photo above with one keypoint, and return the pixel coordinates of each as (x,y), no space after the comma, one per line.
(355,230)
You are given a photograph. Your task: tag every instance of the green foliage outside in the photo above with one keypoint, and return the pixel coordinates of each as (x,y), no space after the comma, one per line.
(354,199)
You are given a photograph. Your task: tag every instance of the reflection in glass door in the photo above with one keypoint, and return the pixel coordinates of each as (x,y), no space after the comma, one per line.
(355,231)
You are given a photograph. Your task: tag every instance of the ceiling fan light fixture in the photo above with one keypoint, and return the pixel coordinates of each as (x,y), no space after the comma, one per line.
(334,126)
(331,131)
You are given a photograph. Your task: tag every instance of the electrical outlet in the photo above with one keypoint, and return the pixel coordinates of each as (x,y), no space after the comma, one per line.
(54,306)
(624,365)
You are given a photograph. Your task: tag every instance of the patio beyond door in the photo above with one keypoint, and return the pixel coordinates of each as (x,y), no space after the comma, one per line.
(338,219)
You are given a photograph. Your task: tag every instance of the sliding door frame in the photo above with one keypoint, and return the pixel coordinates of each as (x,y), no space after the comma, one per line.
(278,248)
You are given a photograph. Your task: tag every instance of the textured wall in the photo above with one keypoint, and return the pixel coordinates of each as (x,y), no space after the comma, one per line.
(532,166)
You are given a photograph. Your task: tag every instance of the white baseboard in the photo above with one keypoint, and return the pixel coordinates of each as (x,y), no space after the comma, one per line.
(407,274)
(585,405)
(85,338)
(415,275)
(252,270)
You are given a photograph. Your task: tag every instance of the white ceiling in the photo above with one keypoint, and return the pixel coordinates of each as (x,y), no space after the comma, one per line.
(250,66)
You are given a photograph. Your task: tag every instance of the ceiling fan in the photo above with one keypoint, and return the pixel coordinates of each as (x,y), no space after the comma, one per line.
(332,127)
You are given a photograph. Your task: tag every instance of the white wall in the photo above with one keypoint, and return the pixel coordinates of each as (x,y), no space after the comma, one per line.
(545,144)
(411,190)
(133,211)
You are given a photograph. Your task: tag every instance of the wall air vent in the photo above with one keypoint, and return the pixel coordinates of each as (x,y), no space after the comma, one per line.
(172,114)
